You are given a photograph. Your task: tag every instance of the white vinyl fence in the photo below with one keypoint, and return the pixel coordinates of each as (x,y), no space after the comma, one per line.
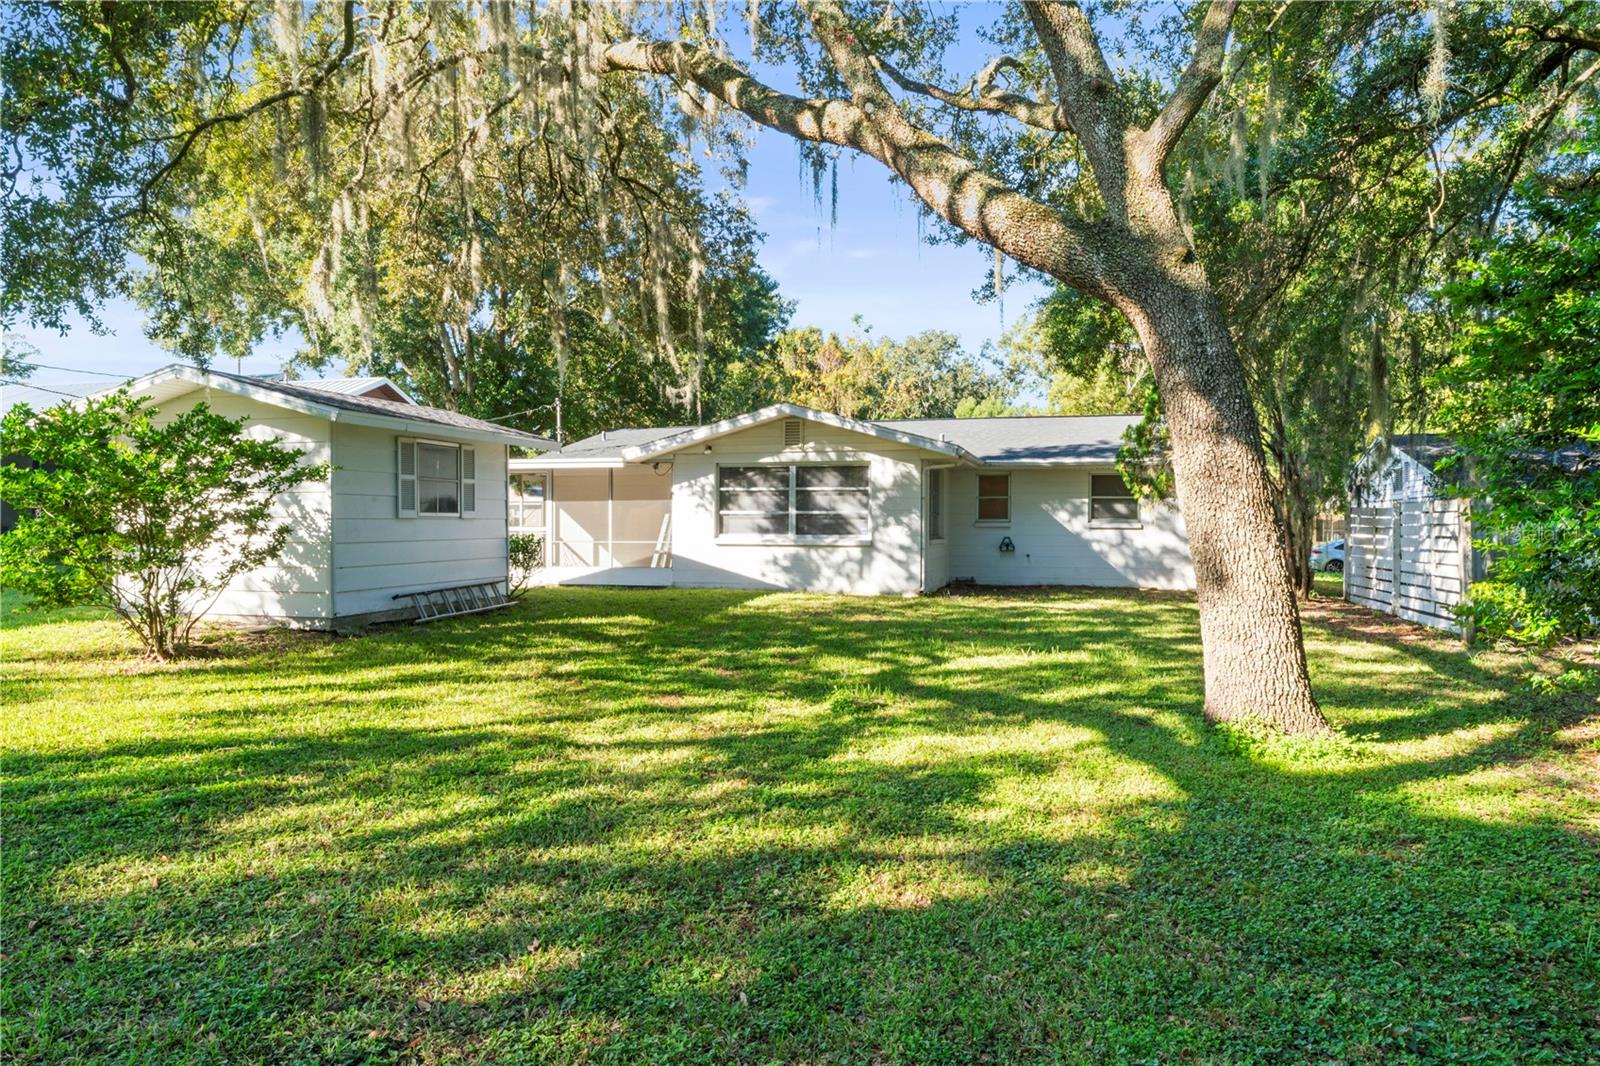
(1410,558)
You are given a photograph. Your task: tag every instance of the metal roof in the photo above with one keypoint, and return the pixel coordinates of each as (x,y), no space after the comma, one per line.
(350,386)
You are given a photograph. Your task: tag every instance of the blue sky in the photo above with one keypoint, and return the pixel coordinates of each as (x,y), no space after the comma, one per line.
(872,264)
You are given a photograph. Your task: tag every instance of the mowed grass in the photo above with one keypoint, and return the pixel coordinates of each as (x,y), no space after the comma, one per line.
(676,827)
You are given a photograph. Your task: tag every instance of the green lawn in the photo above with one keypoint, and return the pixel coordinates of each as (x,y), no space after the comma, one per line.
(671,826)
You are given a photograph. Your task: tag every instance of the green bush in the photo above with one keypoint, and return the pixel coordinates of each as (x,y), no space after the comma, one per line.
(525,554)
(150,520)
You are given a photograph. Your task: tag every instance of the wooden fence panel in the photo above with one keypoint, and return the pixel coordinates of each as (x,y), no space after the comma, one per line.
(1407,559)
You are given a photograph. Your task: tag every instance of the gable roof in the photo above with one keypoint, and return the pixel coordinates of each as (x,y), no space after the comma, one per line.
(1019,440)
(701,434)
(176,380)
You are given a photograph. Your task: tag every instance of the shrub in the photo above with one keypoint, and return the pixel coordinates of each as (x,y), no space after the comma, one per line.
(525,553)
(152,520)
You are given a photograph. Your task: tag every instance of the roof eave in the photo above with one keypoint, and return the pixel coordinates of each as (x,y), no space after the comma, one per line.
(202,379)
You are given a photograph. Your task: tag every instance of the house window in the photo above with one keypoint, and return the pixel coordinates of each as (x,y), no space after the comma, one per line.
(436,479)
(994,497)
(526,503)
(792,501)
(1111,502)
(936,505)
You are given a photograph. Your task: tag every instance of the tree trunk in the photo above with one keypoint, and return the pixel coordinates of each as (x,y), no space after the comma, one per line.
(1255,665)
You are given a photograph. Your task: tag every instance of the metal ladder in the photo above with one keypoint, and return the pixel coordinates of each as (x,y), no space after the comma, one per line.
(456,600)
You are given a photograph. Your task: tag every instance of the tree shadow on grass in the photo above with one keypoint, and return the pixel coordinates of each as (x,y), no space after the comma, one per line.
(690,829)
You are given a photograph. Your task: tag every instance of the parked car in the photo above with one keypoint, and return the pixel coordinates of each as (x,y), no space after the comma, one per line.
(1328,556)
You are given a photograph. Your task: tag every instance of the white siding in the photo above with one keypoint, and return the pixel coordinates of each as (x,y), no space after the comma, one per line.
(891,563)
(377,554)
(1055,542)
(296,587)
(1426,543)
(936,563)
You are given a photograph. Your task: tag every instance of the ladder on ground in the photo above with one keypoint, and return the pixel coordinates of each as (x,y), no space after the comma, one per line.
(457,599)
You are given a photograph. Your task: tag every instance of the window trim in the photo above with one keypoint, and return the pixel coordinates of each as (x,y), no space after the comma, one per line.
(980,497)
(1136,522)
(462,480)
(792,538)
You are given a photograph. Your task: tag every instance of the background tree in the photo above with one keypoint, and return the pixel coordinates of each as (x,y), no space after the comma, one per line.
(1522,399)
(151,519)
(927,375)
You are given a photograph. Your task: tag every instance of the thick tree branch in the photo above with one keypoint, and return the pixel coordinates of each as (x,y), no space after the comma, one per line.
(1088,95)
(980,95)
(1195,84)
(951,185)
(820,120)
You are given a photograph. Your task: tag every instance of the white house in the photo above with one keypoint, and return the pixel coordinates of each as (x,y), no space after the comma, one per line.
(416,499)
(792,498)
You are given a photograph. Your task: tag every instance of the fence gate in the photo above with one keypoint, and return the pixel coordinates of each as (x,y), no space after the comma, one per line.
(1410,558)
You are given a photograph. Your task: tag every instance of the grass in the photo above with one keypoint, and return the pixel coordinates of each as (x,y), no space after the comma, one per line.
(673,826)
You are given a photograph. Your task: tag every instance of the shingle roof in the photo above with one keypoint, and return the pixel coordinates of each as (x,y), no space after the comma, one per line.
(1028,438)
(1046,439)
(609,444)
(371,405)
(1429,449)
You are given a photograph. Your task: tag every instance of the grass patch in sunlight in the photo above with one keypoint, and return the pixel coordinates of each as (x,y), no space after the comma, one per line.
(675,826)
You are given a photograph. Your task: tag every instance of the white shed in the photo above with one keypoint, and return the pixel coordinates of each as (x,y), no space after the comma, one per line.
(416,499)
(1409,547)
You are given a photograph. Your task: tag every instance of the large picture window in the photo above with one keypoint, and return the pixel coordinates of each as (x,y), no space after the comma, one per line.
(793,501)
(1111,502)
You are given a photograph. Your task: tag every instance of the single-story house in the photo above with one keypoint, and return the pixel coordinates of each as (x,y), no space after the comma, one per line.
(416,499)
(793,498)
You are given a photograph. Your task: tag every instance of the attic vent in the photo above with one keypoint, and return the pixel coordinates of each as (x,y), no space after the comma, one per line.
(794,432)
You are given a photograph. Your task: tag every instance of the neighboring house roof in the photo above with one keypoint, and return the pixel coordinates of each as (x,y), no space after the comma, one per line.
(1429,449)
(1023,440)
(376,388)
(176,380)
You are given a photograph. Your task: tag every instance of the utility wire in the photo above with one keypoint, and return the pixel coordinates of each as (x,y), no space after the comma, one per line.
(42,388)
(68,369)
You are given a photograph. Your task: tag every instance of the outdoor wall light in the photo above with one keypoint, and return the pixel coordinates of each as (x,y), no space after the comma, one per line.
(1006,545)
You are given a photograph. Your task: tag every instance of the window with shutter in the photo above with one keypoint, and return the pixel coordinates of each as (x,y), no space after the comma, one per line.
(406,485)
(469,480)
